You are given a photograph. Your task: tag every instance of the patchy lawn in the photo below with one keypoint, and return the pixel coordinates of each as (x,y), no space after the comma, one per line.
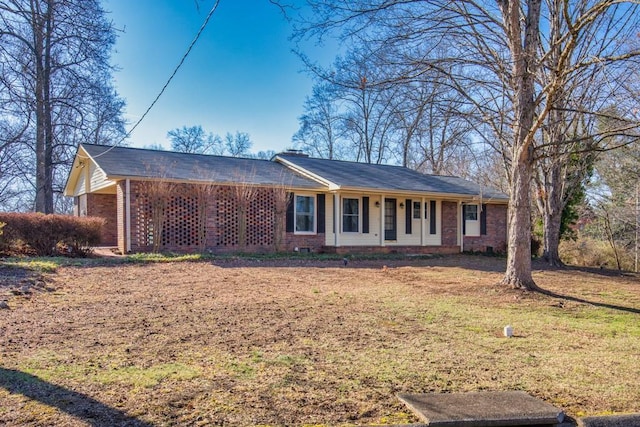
(295,342)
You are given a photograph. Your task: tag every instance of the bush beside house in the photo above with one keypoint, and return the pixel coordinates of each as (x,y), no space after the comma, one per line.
(48,235)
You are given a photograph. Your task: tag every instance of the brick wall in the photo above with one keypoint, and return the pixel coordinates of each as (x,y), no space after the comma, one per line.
(182,219)
(449,223)
(104,206)
(181,224)
(496,237)
(312,242)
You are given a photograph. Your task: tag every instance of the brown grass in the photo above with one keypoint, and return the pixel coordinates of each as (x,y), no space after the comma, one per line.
(309,342)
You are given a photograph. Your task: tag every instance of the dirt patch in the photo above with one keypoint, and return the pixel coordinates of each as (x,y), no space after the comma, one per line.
(303,342)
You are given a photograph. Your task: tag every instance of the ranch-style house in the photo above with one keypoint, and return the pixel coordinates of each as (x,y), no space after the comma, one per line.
(182,202)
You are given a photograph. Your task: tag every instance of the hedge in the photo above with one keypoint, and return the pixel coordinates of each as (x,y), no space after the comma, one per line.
(48,235)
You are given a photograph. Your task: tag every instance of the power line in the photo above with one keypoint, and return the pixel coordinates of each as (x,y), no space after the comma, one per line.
(173,74)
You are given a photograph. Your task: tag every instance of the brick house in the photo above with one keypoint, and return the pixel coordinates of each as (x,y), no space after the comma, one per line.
(289,203)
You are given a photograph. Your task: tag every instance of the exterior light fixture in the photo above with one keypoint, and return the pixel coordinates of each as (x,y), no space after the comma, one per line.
(401,205)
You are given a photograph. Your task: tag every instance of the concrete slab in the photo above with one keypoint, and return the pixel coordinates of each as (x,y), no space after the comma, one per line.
(482,409)
(630,420)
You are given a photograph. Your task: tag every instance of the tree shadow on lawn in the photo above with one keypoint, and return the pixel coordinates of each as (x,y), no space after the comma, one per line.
(561,297)
(79,405)
(571,269)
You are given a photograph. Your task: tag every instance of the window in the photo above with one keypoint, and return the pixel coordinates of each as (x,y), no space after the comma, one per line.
(471,212)
(305,213)
(416,210)
(350,214)
(471,225)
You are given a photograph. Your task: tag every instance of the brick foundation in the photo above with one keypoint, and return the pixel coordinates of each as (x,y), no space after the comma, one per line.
(304,242)
(392,249)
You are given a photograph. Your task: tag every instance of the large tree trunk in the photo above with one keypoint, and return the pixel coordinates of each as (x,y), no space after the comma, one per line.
(42,25)
(552,207)
(518,273)
(523,52)
(38,44)
(48,114)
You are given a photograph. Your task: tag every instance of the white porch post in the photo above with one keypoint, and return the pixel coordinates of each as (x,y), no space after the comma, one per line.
(423,220)
(336,220)
(382,212)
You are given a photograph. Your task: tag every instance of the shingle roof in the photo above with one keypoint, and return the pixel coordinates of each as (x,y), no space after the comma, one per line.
(121,162)
(124,162)
(388,178)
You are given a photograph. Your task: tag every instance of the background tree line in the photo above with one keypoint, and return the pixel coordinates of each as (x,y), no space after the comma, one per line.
(195,140)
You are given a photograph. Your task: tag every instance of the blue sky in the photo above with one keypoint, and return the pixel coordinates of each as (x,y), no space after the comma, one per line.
(241,75)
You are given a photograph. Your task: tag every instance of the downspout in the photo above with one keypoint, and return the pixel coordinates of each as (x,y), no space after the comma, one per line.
(127,220)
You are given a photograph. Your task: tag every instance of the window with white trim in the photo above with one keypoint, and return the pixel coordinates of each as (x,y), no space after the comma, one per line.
(350,215)
(416,210)
(305,214)
(471,220)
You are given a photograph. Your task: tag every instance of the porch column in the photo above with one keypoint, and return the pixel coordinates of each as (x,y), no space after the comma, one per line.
(382,212)
(336,220)
(423,220)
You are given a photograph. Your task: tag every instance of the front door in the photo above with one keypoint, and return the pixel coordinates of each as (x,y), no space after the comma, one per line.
(390,220)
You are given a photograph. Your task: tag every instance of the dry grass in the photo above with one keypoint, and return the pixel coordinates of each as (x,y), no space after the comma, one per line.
(305,343)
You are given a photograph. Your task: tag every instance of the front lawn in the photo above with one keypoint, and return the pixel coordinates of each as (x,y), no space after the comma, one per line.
(308,342)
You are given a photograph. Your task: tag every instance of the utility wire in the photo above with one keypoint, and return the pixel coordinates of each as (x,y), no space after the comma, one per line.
(173,74)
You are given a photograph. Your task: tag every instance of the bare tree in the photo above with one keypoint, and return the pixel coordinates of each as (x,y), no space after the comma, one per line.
(281,199)
(434,130)
(157,194)
(243,193)
(238,144)
(193,139)
(320,124)
(205,195)
(56,84)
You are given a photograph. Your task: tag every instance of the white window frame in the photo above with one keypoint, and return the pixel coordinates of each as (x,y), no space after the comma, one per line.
(471,226)
(358,215)
(314,214)
(413,209)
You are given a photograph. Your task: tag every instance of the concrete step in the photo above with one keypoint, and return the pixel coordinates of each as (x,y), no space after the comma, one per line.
(483,409)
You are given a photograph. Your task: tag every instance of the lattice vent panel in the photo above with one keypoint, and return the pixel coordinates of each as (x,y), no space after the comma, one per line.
(181,221)
(143,221)
(259,218)
(226,218)
(180,225)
